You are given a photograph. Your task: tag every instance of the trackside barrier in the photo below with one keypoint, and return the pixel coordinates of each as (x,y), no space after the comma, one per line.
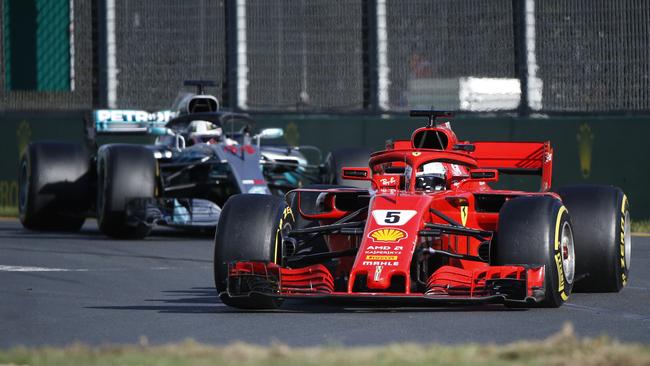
(586,149)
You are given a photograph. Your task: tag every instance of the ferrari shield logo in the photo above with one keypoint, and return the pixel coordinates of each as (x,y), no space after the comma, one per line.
(463,215)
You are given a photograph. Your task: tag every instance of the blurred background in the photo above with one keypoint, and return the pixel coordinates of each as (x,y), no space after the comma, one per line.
(338,73)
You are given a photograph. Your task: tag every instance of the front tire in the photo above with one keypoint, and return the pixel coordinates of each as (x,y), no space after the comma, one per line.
(124,172)
(250,228)
(537,230)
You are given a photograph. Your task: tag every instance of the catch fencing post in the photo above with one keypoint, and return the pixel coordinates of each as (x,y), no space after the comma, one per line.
(375,45)
(521,54)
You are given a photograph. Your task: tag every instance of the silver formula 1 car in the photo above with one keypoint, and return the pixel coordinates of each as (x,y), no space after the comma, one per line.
(201,157)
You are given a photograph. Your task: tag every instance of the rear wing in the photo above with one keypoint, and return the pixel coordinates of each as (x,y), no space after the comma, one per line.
(133,122)
(519,158)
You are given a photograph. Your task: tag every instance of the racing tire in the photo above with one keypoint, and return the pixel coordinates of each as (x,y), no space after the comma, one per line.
(124,172)
(54,186)
(603,240)
(250,228)
(347,157)
(536,230)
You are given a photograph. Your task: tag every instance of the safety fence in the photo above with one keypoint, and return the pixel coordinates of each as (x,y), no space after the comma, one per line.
(314,56)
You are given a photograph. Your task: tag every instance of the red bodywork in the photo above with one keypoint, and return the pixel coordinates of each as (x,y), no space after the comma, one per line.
(406,227)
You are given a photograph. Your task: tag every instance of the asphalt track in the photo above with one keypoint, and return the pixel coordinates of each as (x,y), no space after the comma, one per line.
(56,289)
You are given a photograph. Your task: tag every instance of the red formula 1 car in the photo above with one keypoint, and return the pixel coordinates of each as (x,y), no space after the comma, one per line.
(431,229)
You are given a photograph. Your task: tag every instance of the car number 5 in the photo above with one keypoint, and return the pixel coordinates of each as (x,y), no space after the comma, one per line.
(392,217)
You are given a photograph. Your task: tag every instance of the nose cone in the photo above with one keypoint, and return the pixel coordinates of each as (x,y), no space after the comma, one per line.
(384,258)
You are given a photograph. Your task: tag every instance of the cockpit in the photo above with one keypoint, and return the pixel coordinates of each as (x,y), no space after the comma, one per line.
(200,131)
(419,176)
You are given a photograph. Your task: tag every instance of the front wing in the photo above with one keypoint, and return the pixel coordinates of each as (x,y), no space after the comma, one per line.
(492,284)
(183,213)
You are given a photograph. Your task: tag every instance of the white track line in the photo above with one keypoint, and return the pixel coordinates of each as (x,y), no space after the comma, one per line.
(4,268)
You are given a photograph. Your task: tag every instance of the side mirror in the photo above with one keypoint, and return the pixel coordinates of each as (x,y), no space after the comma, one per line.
(465,147)
(271,133)
(486,175)
(356,173)
(159,131)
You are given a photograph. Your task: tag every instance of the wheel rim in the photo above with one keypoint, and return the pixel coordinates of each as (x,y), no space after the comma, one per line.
(568,252)
(628,240)
(24,187)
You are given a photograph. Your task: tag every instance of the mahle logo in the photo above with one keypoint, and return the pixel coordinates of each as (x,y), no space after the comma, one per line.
(585,146)
(23,135)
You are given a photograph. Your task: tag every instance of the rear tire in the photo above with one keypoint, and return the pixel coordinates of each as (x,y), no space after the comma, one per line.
(348,157)
(54,186)
(250,229)
(601,220)
(124,172)
(536,230)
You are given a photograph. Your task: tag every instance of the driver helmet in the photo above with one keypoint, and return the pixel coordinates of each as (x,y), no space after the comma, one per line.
(433,177)
(203,131)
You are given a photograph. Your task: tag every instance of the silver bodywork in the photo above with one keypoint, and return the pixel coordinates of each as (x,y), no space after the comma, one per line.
(196,177)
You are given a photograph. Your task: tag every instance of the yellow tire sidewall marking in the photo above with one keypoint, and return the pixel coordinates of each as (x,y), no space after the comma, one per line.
(286,213)
(622,241)
(558,255)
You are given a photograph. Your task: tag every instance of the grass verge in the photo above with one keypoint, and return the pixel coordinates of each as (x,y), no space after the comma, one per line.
(640,226)
(563,348)
(8,211)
